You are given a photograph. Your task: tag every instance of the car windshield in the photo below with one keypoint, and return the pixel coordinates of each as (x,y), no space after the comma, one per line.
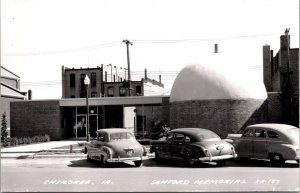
(121,136)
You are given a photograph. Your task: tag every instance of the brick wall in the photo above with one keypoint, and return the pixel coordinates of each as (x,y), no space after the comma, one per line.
(220,116)
(31,118)
(75,91)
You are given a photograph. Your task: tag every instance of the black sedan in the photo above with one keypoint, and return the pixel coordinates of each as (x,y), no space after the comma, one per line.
(193,145)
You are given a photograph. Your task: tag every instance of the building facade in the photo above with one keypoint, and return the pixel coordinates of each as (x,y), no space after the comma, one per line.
(9,91)
(73,84)
(281,78)
(67,118)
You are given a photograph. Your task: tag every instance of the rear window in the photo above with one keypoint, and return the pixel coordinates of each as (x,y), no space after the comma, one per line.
(121,136)
(272,134)
(206,136)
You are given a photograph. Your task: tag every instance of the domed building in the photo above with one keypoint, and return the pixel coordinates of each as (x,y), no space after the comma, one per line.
(218,98)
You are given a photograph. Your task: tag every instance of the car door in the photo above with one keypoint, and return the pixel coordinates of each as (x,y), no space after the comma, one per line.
(163,148)
(177,146)
(245,143)
(260,148)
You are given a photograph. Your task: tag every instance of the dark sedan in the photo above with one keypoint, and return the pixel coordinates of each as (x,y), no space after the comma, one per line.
(193,145)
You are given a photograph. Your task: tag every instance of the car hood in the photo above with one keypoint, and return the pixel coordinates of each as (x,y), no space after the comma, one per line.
(215,147)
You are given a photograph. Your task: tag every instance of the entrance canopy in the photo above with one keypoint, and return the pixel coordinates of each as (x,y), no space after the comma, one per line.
(127,101)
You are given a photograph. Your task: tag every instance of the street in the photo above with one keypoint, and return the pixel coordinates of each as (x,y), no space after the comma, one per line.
(79,175)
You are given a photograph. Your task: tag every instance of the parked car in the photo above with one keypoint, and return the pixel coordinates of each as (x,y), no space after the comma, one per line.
(115,145)
(276,142)
(193,145)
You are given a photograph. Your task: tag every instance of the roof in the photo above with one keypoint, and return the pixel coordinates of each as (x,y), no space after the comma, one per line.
(273,126)
(215,81)
(113,130)
(8,91)
(192,131)
(7,73)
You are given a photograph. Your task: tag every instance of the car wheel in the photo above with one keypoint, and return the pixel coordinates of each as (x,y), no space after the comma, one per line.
(156,155)
(276,160)
(88,157)
(221,162)
(103,162)
(190,162)
(138,163)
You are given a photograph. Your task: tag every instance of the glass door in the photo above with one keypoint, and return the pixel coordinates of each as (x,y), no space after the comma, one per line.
(80,129)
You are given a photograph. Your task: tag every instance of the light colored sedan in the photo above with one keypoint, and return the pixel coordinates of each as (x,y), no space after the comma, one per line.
(115,145)
(276,142)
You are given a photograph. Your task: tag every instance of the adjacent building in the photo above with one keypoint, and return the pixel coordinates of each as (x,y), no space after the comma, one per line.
(281,78)
(10,91)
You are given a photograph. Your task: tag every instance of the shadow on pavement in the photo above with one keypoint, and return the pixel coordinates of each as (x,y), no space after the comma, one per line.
(95,164)
(229,163)
(176,164)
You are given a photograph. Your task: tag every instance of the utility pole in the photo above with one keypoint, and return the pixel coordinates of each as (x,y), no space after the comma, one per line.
(288,79)
(127,42)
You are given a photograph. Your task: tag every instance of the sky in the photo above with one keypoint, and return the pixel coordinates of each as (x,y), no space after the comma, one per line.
(38,37)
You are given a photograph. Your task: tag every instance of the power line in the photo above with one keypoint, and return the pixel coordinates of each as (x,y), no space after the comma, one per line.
(110,44)
(80,49)
(204,39)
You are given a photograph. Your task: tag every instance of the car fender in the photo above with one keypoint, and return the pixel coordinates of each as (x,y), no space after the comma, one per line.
(287,151)
(106,151)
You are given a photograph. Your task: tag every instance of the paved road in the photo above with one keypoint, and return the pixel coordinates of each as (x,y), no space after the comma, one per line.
(76,174)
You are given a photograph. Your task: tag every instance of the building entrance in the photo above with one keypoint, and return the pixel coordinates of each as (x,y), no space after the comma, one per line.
(80,127)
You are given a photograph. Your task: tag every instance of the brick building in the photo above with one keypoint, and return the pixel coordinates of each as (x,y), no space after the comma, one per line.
(9,91)
(110,105)
(73,84)
(212,97)
(281,78)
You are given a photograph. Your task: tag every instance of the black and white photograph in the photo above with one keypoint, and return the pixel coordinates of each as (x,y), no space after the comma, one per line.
(149,96)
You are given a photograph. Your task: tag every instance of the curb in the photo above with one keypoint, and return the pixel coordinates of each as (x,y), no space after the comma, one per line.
(35,156)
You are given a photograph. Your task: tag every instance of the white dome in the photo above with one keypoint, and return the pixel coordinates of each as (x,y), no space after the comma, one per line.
(208,82)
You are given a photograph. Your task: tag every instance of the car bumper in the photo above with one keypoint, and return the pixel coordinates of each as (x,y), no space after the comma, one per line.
(119,159)
(216,158)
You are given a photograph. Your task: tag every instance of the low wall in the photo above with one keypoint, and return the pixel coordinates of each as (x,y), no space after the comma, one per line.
(30,118)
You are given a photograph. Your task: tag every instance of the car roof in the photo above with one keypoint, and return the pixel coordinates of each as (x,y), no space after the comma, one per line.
(191,131)
(113,130)
(273,126)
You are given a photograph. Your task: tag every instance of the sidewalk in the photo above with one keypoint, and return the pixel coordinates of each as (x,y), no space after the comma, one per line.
(33,150)
(46,150)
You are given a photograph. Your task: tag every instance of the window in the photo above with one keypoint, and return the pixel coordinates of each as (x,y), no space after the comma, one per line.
(72,80)
(102,137)
(122,91)
(93,79)
(138,90)
(260,133)
(72,96)
(82,85)
(248,133)
(272,134)
(110,91)
(94,94)
(187,139)
(170,137)
(121,136)
(178,137)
